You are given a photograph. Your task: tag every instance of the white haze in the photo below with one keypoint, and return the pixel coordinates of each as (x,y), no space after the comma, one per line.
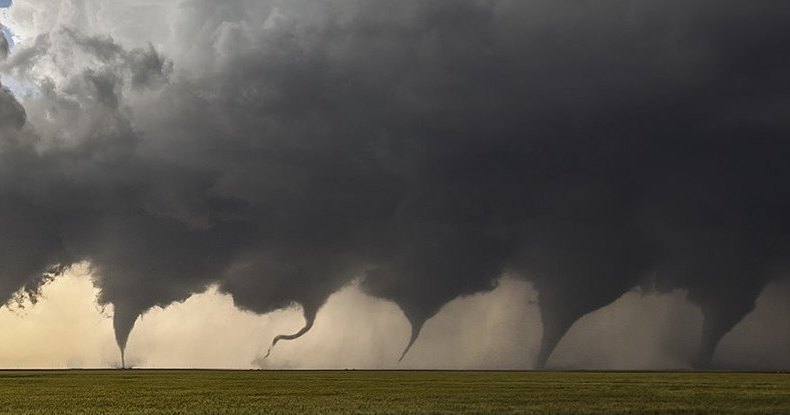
(67,329)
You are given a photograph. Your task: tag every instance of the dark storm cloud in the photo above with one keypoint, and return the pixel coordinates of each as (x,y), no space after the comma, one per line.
(12,114)
(19,225)
(426,148)
(4,46)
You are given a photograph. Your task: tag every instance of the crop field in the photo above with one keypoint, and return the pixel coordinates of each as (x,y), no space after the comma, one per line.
(360,392)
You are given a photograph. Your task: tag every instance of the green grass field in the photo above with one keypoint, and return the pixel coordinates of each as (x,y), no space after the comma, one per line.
(358,392)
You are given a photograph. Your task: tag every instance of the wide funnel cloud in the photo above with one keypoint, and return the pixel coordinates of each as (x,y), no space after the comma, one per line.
(282,150)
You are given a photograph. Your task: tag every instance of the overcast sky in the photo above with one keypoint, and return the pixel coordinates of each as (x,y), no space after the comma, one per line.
(457,183)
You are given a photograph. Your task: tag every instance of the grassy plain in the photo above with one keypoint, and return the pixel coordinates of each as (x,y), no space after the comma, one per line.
(362,392)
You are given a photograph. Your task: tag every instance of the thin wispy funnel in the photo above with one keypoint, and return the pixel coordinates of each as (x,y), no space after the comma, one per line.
(309,321)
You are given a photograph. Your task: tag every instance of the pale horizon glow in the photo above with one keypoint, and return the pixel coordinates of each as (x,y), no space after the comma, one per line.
(68,329)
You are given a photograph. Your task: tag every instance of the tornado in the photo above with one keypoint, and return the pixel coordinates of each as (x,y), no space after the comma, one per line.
(288,337)
(415,329)
(578,268)
(435,267)
(263,282)
(123,322)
